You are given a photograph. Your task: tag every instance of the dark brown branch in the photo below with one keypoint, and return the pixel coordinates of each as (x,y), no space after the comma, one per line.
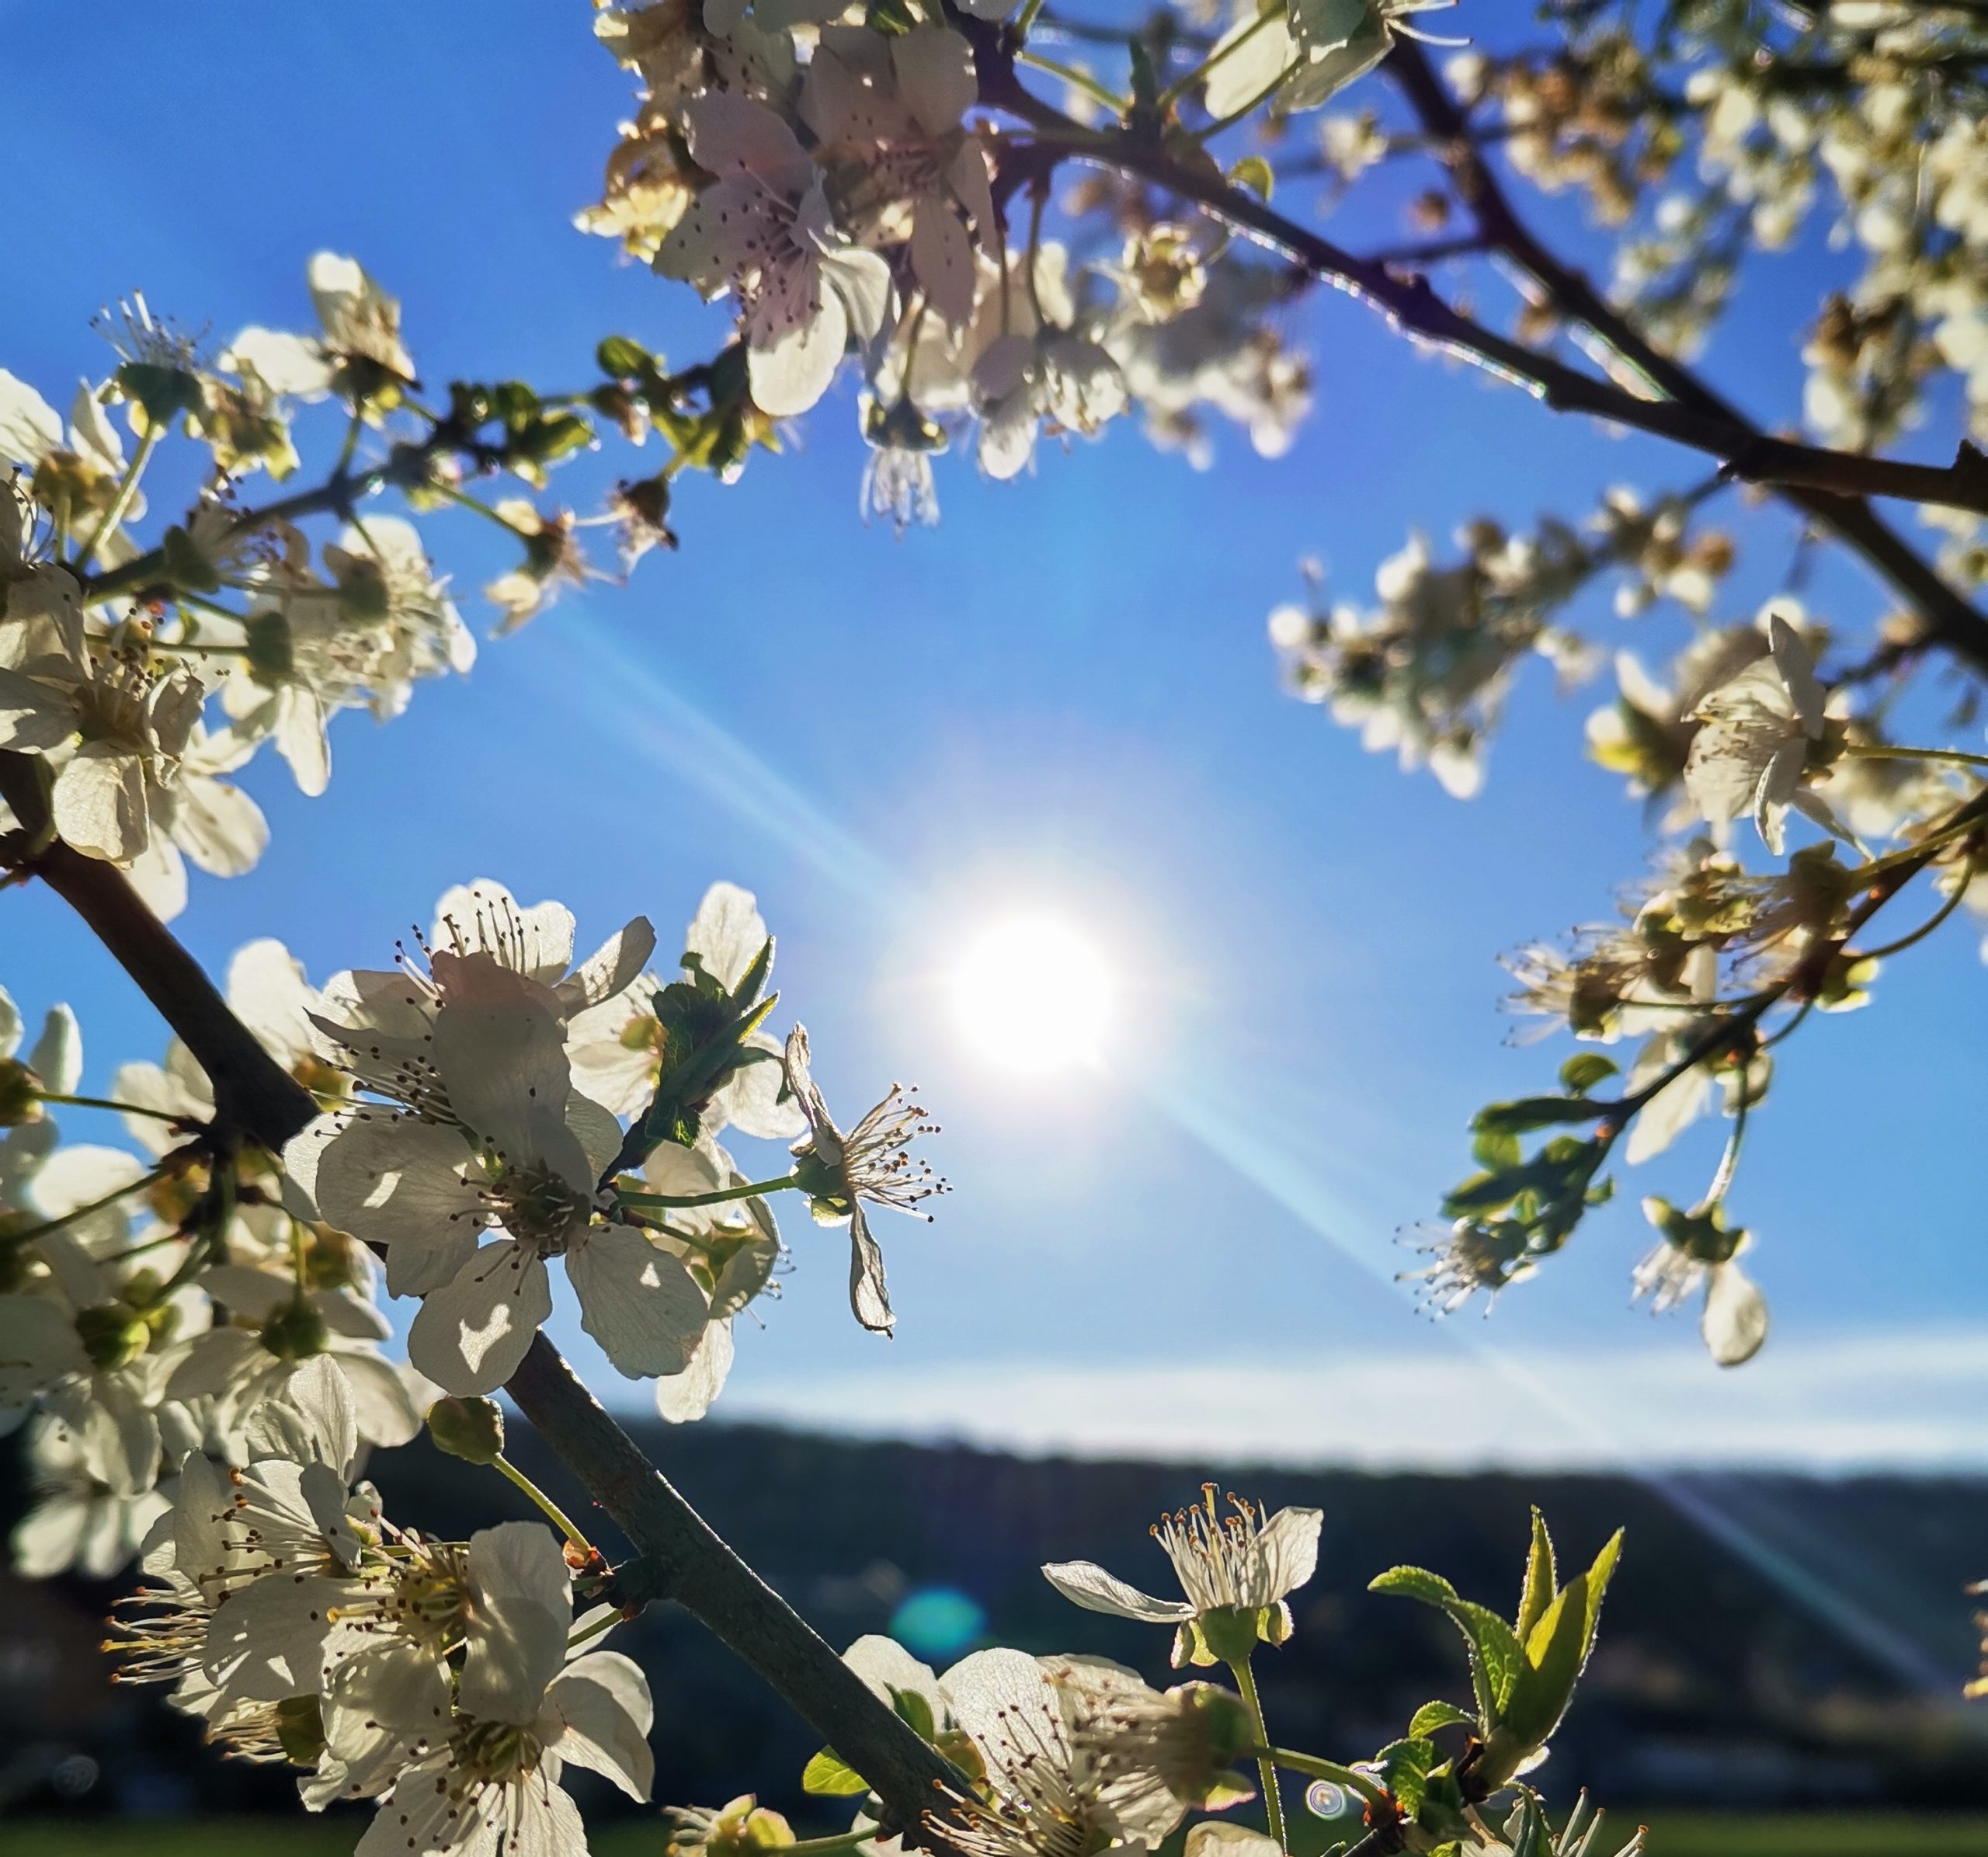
(682,1558)
(1825,483)
(1951,620)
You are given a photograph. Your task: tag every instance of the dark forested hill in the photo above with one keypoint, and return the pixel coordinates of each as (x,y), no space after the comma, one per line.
(1768,1639)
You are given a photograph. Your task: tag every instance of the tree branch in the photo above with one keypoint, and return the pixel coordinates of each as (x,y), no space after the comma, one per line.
(1950,619)
(683,1559)
(1827,484)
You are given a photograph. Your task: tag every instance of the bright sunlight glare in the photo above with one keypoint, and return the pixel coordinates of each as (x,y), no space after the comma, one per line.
(1035,995)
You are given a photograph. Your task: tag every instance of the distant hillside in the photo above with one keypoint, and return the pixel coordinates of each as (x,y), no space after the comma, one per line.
(1769,1640)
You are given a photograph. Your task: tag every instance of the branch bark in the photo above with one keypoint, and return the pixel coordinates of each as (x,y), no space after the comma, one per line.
(1826,485)
(1951,620)
(682,1558)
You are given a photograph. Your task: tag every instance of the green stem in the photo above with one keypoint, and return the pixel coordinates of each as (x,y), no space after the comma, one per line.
(1952,756)
(1077,79)
(82,1211)
(1925,927)
(1312,1766)
(556,1515)
(752,1190)
(104,1102)
(1246,1684)
(127,488)
(822,1847)
(1729,1162)
(464,500)
(1026,17)
(1180,88)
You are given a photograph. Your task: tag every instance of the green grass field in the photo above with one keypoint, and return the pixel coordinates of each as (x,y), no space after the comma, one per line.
(1818,1834)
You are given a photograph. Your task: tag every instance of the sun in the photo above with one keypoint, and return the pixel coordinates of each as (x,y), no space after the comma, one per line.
(1035,995)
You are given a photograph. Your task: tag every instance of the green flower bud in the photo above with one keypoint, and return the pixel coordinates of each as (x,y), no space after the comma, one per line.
(270,659)
(20,1094)
(296,1332)
(113,1335)
(472,1429)
(300,1729)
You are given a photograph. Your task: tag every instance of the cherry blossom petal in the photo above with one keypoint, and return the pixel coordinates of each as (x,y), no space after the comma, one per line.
(517,1634)
(471,1333)
(1085,1583)
(640,1303)
(602,1705)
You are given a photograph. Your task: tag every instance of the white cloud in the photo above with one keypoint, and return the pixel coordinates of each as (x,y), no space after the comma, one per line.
(1904,1400)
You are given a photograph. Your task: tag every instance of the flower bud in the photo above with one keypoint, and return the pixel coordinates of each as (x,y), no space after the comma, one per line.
(472,1429)
(113,1335)
(20,1094)
(300,1729)
(296,1332)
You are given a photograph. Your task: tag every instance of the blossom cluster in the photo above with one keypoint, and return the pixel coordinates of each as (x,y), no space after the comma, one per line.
(445,1680)
(472,1133)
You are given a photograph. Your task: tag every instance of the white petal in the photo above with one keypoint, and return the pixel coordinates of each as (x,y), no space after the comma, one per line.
(287,363)
(681,1398)
(732,135)
(29,427)
(934,67)
(1085,1583)
(638,1302)
(867,1294)
(602,1704)
(1736,1318)
(789,371)
(727,933)
(399,1181)
(267,1640)
(100,802)
(1289,1546)
(611,968)
(518,1623)
(472,1333)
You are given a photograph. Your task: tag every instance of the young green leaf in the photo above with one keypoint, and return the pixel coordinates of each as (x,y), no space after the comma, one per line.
(1432,1715)
(829,1776)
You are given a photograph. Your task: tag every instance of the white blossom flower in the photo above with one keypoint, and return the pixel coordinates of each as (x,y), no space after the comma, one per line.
(838,1172)
(764,229)
(77,1520)
(1048,1795)
(1753,746)
(893,107)
(358,353)
(1697,1252)
(1235,1562)
(495,1785)
(494,1137)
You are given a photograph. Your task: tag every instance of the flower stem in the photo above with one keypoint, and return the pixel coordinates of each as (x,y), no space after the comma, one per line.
(822,1846)
(553,1514)
(82,1211)
(1310,1764)
(1925,928)
(1077,79)
(104,1102)
(127,488)
(752,1190)
(1180,86)
(1951,755)
(1246,1684)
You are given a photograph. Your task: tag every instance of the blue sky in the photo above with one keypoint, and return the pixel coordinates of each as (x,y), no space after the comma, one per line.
(1061,698)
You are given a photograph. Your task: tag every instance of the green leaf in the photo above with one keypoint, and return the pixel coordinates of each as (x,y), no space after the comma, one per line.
(1404,1768)
(1541,1579)
(1415,1583)
(1496,1148)
(1531,1112)
(914,1710)
(1488,1192)
(1255,175)
(829,1776)
(622,357)
(1598,1577)
(1581,1072)
(1432,1715)
(1554,1654)
(1495,1654)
